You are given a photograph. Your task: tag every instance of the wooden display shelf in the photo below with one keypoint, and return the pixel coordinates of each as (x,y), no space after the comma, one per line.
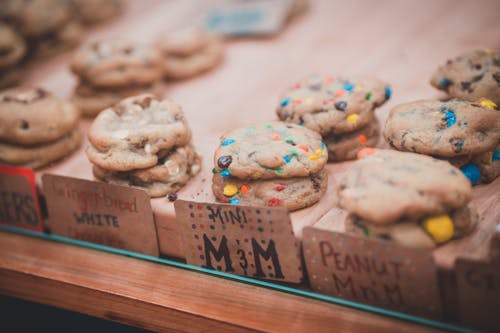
(164,298)
(399,42)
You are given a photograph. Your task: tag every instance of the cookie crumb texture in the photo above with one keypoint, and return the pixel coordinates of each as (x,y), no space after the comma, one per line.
(387,186)
(136,133)
(33,116)
(292,193)
(111,64)
(167,177)
(470,76)
(443,129)
(333,105)
(426,233)
(270,150)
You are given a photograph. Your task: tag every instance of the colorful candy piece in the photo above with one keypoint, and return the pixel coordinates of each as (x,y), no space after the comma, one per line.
(472,172)
(341,105)
(244,189)
(388,92)
(287,159)
(486,103)
(365,152)
(309,100)
(225,173)
(352,118)
(273,202)
(440,228)
(339,93)
(227,142)
(285,101)
(496,155)
(348,86)
(230,190)
(368,96)
(279,188)
(224,161)
(444,82)
(450,118)
(234,201)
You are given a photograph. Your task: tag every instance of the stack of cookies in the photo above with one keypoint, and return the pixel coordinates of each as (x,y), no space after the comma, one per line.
(272,164)
(410,199)
(12,51)
(341,109)
(467,134)
(190,52)
(143,142)
(112,71)
(36,128)
(47,25)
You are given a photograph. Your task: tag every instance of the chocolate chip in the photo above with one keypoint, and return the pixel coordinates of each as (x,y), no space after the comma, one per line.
(341,106)
(449,62)
(457,143)
(496,76)
(5,51)
(172,197)
(477,78)
(477,67)
(316,183)
(224,161)
(466,86)
(24,125)
(146,102)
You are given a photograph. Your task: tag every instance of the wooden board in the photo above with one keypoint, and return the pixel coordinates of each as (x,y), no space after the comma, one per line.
(398,41)
(350,38)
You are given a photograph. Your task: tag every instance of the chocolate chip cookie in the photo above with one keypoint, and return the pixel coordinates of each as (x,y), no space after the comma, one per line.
(333,105)
(270,150)
(12,46)
(114,64)
(96,11)
(136,133)
(39,155)
(293,193)
(91,100)
(471,76)
(169,175)
(34,116)
(190,52)
(444,129)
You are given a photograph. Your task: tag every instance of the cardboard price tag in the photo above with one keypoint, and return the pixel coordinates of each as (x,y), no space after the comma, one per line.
(101,213)
(250,241)
(372,272)
(478,285)
(19,206)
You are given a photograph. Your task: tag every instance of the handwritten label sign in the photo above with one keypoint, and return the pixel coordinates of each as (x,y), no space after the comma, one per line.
(19,205)
(101,213)
(372,272)
(248,17)
(478,285)
(249,241)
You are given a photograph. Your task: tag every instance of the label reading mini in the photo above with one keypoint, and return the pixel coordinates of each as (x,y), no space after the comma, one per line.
(249,241)
(19,206)
(101,213)
(372,272)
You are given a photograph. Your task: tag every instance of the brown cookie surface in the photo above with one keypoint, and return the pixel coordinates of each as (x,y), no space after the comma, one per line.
(168,176)
(136,133)
(34,115)
(12,46)
(292,193)
(114,64)
(270,150)
(389,185)
(333,105)
(444,129)
(470,76)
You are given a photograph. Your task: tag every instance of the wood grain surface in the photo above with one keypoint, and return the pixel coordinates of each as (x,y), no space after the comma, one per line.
(401,42)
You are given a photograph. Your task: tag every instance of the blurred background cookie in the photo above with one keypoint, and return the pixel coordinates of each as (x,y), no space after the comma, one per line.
(91,12)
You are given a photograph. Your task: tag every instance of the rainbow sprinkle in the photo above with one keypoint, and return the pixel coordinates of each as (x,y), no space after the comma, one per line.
(388,92)
(234,201)
(285,102)
(348,86)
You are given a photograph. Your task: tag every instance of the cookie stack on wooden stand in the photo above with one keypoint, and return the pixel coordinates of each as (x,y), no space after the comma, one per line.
(270,165)
(36,128)
(143,142)
(341,109)
(112,71)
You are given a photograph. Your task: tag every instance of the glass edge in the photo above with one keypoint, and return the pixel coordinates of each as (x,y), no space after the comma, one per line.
(261,283)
